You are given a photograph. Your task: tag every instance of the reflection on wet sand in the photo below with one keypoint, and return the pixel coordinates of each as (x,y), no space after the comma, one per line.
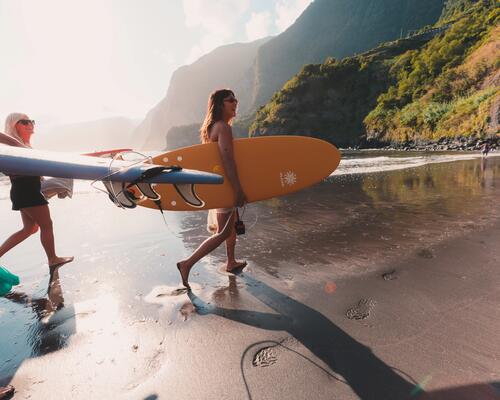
(52,325)
(347,221)
(228,294)
(44,335)
(450,184)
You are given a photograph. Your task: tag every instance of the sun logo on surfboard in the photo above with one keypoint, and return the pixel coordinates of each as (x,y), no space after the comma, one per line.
(288,178)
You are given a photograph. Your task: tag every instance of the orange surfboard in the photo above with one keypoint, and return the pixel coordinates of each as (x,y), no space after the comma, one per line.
(268,166)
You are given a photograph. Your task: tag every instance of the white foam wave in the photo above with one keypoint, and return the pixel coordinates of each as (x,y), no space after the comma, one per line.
(364,165)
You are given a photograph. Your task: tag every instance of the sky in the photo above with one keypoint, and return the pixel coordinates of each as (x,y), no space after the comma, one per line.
(67,61)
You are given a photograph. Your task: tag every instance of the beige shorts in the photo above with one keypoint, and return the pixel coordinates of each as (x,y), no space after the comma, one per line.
(212,218)
(224,210)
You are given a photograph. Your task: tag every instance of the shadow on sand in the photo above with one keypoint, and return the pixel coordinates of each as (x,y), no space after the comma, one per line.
(367,375)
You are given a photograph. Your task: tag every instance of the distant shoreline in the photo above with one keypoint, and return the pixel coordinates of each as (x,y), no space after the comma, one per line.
(459,143)
(385,149)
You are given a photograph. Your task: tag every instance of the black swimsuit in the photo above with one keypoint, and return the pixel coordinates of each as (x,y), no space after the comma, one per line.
(26,192)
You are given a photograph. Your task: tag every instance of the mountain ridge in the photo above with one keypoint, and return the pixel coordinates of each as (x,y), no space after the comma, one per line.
(402,91)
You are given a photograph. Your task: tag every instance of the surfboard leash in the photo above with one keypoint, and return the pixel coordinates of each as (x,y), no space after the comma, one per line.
(243,212)
(158,204)
(110,191)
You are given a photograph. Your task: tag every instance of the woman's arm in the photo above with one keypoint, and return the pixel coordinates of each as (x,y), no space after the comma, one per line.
(10,141)
(225,143)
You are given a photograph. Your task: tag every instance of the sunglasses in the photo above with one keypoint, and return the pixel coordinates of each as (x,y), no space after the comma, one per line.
(231,100)
(26,122)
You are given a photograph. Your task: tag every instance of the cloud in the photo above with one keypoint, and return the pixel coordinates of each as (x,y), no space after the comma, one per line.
(287,11)
(221,22)
(217,21)
(259,25)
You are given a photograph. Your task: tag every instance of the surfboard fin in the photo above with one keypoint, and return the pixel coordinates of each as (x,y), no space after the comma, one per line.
(123,195)
(188,194)
(120,195)
(147,190)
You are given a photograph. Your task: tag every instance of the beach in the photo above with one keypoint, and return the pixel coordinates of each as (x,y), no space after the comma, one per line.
(380,282)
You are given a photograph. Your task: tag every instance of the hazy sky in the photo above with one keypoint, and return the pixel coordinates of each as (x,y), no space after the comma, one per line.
(70,61)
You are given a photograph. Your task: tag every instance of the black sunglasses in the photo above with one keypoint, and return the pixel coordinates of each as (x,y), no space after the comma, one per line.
(26,121)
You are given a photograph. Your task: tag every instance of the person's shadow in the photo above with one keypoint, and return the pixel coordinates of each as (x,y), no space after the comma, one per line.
(367,375)
(53,325)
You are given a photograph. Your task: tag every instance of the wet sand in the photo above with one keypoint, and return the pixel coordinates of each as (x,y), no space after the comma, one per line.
(375,286)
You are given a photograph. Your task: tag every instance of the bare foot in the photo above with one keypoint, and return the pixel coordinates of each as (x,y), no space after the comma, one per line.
(237,265)
(6,392)
(58,261)
(184,271)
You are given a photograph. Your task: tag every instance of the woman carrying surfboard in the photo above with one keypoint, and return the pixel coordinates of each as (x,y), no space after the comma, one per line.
(26,195)
(216,127)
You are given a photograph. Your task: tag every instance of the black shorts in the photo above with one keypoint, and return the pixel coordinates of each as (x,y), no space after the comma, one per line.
(26,192)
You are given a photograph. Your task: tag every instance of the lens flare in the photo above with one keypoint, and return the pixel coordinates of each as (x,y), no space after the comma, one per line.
(330,287)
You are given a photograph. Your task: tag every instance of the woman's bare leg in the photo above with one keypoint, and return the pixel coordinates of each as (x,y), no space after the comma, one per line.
(232,264)
(206,247)
(41,216)
(29,228)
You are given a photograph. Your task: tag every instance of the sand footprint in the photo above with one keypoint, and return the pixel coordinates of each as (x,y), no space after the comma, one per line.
(361,310)
(389,276)
(265,357)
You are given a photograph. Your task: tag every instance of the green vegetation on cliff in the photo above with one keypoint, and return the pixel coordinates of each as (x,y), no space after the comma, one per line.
(455,7)
(440,82)
(439,90)
(335,28)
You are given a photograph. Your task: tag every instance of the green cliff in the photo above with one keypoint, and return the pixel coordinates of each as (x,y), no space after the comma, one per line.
(439,82)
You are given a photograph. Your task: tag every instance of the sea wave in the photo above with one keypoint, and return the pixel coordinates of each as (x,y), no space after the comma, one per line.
(364,163)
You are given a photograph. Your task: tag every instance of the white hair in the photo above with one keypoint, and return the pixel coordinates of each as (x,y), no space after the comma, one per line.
(10,126)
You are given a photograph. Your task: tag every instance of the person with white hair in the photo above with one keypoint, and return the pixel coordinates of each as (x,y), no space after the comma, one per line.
(27,197)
